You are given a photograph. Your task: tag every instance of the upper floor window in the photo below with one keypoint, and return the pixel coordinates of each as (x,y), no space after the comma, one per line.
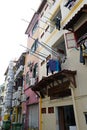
(27,77)
(35,70)
(69,3)
(42,35)
(57,20)
(46,7)
(34,46)
(35,27)
(47,28)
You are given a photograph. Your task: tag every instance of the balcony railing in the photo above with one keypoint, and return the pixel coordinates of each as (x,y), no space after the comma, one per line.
(19,71)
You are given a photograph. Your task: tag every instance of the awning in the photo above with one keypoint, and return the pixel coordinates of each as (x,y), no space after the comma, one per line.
(75,18)
(56,83)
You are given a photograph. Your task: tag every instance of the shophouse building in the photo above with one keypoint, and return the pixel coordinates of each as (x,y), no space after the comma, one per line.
(31,76)
(62,75)
(8,92)
(18,93)
(14,96)
(31,72)
(50,78)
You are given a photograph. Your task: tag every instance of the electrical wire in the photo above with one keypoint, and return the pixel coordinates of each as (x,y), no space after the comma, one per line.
(33,53)
(48,48)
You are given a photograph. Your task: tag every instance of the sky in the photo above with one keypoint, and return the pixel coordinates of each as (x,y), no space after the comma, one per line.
(13,17)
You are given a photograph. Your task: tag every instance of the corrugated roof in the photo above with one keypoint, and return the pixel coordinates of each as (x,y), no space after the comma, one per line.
(75,18)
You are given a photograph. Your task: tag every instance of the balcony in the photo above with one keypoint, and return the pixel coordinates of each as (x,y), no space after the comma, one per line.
(19,71)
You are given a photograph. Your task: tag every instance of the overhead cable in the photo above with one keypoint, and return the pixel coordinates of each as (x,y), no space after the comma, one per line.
(34,53)
(46,47)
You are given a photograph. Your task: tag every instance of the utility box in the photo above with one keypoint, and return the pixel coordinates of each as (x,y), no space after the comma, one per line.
(16,126)
(6,125)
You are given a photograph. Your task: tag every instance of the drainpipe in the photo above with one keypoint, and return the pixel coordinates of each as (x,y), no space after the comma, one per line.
(74,106)
(40,114)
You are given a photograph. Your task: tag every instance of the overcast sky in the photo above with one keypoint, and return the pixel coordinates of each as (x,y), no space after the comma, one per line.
(12,29)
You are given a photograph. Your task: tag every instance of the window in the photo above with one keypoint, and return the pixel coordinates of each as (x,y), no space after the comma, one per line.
(70,40)
(35,27)
(47,28)
(57,20)
(50,109)
(42,35)
(34,46)
(43,110)
(27,78)
(46,7)
(35,70)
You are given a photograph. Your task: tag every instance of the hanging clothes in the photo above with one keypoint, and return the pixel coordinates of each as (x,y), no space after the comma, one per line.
(58,65)
(85,49)
(70,3)
(57,23)
(47,68)
(53,65)
(82,54)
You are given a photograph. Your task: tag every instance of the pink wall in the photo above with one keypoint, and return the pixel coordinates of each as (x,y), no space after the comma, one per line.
(32,97)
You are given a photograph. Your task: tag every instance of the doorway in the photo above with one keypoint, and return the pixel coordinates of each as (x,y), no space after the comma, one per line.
(66,117)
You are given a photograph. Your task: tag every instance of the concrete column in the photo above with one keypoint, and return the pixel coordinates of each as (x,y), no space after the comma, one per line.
(74,106)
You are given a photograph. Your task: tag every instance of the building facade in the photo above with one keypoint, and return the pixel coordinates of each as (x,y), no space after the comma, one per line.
(63,90)
(50,86)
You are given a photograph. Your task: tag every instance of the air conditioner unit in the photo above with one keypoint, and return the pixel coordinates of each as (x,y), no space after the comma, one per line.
(31,81)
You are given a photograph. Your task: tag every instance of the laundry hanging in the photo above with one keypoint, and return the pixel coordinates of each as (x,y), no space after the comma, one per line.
(69,4)
(83,53)
(57,23)
(53,65)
